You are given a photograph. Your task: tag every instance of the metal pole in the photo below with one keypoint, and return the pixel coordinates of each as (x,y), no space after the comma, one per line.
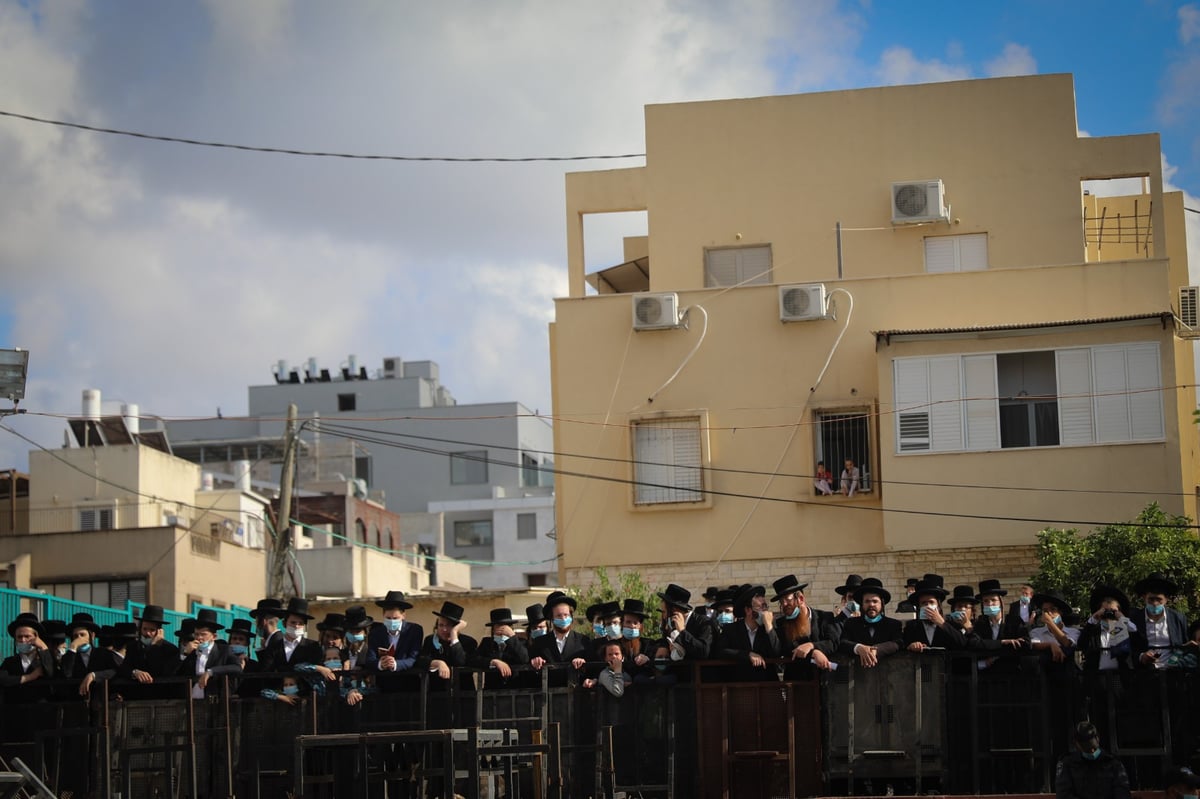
(283,524)
(839,249)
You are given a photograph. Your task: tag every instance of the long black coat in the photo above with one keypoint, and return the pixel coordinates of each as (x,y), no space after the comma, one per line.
(220,662)
(734,644)
(947,636)
(274,657)
(886,635)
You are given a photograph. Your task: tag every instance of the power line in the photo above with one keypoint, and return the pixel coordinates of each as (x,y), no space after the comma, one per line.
(315,153)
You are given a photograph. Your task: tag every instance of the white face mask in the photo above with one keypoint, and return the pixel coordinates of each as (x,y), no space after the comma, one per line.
(295,633)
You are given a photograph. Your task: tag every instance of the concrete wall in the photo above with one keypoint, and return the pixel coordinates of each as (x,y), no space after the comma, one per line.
(355,571)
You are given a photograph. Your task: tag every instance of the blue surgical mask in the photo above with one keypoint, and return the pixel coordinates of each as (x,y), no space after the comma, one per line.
(205,646)
(295,633)
(872,619)
(1056,619)
(84,648)
(393,625)
(238,649)
(958,615)
(661,665)
(147,640)
(631,632)
(924,613)
(597,628)
(726,617)
(500,639)
(333,664)
(356,638)
(291,690)
(1025,600)
(1154,609)
(24,649)
(562,624)
(613,631)
(991,610)
(537,632)
(852,606)
(1093,755)
(795,614)
(437,643)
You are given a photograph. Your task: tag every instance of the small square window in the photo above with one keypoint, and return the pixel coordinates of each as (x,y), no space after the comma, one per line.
(526,526)
(468,468)
(477,533)
(347,402)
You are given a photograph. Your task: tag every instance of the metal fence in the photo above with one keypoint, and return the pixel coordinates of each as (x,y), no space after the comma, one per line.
(911,725)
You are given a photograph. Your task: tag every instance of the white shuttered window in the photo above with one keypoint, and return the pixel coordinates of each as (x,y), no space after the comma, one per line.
(966,253)
(735,266)
(667,461)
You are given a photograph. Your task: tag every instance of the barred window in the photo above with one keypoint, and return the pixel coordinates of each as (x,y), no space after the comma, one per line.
(667,461)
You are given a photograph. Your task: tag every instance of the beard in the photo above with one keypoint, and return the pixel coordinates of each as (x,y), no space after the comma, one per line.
(798,628)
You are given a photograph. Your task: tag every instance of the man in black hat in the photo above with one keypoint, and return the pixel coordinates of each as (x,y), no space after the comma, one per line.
(871,635)
(1088,772)
(931,629)
(357,625)
(536,624)
(992,635)
(609,615)
(83,656)
(806,635)
(393,645)
(1106,639)
(205,658)
(500,651)
(448,647)
(33,660)
(686,635)
(847,607)
(294,648)
(906,605)
(747,641)
(1162,630)
(1180,783)
(562,644)
(1055,637)
(267,615)
(151,655)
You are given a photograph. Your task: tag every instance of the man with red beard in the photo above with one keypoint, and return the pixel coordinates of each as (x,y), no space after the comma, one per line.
(807,635)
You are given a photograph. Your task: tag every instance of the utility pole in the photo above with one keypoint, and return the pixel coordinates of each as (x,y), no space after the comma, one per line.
(278,586)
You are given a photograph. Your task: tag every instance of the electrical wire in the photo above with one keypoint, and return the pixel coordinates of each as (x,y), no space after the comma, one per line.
(688,357)
(313,153)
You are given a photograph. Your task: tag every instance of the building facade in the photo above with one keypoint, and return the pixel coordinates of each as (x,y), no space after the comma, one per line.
(917,279)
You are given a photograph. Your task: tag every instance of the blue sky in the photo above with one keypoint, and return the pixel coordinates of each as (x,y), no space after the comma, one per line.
(174,276)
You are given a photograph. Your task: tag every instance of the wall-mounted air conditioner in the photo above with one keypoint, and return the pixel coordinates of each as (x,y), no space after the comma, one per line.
(1189,300)
(919,201)
(392,367)
(656,311)
(802,303)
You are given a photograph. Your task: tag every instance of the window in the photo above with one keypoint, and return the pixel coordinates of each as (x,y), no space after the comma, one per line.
(967,253)
(533,580)
(468,468)
(476,533)
(362,468)
(347,402)
(1082,395)
(205,546)
(530,474)
(526,526)
(736,266)
(105,593)
(413,582)
(667,461)
(360,531)
(95,519)
(845,434)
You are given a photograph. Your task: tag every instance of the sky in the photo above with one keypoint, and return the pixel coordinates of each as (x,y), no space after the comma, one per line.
(175,276)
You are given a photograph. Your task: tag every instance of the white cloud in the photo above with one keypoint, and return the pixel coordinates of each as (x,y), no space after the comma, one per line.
(1189,23)
(1016,59)
(900,65)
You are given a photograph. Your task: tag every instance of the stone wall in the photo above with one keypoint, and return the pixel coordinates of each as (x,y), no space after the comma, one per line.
(1010,565)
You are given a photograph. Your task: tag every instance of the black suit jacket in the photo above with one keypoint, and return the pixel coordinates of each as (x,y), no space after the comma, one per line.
(1013,626)
(12,670)
(734,644)
(408,644)
(575,646)
(274,657)
(945,637)
(886,635)
(220,662)
(1176,631)
(72,666)
(824,633)
(160,660)
(697,637)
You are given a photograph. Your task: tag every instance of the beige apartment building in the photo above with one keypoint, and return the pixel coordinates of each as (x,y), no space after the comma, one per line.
(1003,346)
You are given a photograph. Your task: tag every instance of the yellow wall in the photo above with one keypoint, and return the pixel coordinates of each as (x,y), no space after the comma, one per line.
(784,171)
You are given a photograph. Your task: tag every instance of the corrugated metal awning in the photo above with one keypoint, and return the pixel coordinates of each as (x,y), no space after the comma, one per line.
(886,336)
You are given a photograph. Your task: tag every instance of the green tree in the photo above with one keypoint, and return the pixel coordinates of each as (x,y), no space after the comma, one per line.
(630,585)
(1120,555)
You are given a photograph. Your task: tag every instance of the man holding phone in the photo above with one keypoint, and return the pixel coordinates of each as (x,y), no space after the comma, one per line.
(393,644)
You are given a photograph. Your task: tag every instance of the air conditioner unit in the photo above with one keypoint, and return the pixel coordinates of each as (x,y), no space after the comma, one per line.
(1189,300)
(919,201)
(802,303)
(656,311)
(392,367)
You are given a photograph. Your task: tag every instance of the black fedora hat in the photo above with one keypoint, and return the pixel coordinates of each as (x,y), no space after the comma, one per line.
(54,630)
(498,616)
(871,585)
(106,633)
(25,620)
(207,619)
(964,593)
(911,582)
(711,593)
(786,585)
(83,620)
(297,606)
(450,612)
(744,599)
(152,614)
(676,596)
(1156,581)
(267,607)
(357,618)
(592,611)
(1055,597)
(852,581)
(726,596)
(187,629)
(125,631)
(242,626)
(609,609)
(395,599)
(990,588)
(333,621)
(1103,592)
(634,607)
(558,598)
(930,587)
(534,614)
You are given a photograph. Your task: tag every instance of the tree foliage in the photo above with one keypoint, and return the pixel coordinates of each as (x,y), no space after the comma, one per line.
(1120,555)
(630,585)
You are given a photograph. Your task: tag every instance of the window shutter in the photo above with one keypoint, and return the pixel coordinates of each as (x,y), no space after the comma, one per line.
(911,392)
(972,252)
(667,462)
(1145,386)
(966,253)
(1074,396)
(737,266)
(720,267)
(755,265)
(87,519)
(981,405)
(1110,385)
(945,410)
(940,255)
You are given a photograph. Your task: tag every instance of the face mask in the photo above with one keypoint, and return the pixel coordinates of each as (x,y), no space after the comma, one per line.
(62,649)
(500,639)
(726,617)
(84,648)
(614,631)
(598,629)
(991,610)
(958,615)
(537,633)
(204,647)
(291,690)
(295,633)
(758,617)
(1190,796)
(562,624)
(335,665)
(237,649)
(852,606)
(1092,755)
(924,613)
(631,632)
(873,619)
(147,640)
(356,638)
(1025,600)
(1056,619)
(393,625)
(795,614)
(24,649)
(1154,609)
(661,666)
